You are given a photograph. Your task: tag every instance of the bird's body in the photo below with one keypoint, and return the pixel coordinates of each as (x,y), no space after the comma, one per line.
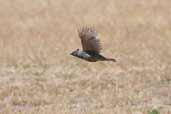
(91,46)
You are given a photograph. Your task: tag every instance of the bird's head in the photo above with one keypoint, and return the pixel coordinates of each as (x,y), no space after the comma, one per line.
(75,53)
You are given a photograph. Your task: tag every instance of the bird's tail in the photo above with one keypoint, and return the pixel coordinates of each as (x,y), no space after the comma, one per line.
(111,59)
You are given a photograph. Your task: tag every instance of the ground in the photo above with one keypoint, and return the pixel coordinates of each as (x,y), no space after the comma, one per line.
(38,76)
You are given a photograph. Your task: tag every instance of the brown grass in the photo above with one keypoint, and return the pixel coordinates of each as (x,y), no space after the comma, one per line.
(38,76)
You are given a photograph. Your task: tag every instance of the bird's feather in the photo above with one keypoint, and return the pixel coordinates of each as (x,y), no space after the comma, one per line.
(89,39)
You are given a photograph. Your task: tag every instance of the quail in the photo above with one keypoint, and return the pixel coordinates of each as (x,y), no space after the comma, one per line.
(91,46)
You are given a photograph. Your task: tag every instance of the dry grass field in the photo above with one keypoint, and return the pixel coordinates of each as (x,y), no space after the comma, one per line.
(38,76)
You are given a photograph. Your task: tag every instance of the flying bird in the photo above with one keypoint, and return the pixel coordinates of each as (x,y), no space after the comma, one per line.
(91,46)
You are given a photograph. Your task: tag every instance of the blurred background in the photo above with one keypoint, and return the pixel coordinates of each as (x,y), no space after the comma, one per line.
(37,74)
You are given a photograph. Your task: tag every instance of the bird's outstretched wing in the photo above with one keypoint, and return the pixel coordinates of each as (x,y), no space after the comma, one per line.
(89,39)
